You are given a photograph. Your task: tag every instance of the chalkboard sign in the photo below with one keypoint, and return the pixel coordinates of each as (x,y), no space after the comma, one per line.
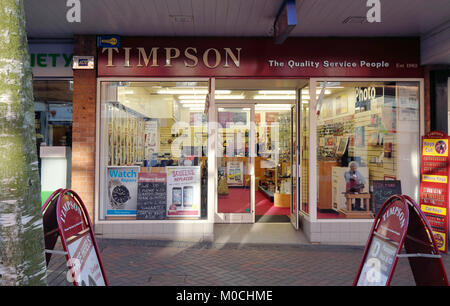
(383,190)
(152,196)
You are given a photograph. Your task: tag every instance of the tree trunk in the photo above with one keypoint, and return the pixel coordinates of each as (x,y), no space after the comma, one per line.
(22,260)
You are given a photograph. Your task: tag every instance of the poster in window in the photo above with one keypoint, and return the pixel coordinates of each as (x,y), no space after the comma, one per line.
(235,173)
(341,105)
(122,185)
(183,192)
(359,136)
(151,138)
(408,95)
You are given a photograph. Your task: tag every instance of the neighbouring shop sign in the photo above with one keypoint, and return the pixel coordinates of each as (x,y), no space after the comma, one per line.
(401,225)
(122,190)
(51,59)
(262,57)
(65,216)
(183,191)
(434,185)
(83,62)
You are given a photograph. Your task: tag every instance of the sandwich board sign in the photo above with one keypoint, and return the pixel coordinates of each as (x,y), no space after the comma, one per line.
(65,216)
(400,223)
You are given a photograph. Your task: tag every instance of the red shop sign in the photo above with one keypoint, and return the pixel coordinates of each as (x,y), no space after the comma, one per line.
(434,185)
(400,222)
(65,216)
(261,57)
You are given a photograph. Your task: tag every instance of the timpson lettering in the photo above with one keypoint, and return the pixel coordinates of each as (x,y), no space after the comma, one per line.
(211,58)
(395,211)
(69,206)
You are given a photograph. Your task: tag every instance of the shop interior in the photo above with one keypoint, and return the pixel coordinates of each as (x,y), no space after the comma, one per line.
(53,112)
(151,126)
(154,125)
(367,133)
(274,122)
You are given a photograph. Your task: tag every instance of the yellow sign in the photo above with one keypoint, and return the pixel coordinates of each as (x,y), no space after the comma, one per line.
(435,147)
(434,178)
(434,210)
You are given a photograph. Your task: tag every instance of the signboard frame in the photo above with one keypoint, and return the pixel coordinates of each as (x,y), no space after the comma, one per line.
(420,246)
(58,222)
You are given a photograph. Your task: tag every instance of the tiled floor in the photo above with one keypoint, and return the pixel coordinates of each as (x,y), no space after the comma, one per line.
(226,263)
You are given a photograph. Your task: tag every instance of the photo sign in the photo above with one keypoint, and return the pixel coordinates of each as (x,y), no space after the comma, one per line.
(434,185)
(400,223)
(65,215)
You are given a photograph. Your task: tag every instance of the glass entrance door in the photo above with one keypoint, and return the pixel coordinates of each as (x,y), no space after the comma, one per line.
(295,180)
(235,164)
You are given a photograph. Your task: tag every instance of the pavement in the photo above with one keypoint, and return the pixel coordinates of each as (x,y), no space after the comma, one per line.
(170,263)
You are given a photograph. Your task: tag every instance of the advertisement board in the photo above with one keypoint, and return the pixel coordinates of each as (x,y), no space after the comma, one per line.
(183,191)
(122,190)
(401,225)
(434,186)
(87,264)
(66,217)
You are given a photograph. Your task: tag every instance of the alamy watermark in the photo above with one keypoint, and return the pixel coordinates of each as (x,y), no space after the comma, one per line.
(74,12)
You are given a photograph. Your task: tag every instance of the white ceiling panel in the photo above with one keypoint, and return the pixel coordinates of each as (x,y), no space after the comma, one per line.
(47,18)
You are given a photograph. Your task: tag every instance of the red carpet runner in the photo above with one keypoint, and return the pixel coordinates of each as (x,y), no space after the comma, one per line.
(238,201)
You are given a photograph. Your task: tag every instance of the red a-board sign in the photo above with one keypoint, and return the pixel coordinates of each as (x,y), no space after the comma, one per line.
(434,185)
(400,223)
(65,215)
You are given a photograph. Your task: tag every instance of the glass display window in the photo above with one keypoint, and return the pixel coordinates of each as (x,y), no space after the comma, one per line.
(153,152)
(367,132)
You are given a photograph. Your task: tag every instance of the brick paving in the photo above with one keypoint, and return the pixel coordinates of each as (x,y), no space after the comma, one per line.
(160,263)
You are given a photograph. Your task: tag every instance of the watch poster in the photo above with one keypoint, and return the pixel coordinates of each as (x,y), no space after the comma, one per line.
(122,183)
(183,192)
(434,185)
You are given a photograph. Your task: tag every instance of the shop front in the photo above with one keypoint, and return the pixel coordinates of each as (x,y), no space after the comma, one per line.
(53,88)
(195,132)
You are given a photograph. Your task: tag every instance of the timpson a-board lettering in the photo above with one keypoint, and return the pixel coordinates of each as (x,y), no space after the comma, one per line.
(211,57)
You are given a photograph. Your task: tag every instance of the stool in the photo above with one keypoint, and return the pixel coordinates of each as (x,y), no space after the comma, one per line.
(363,196)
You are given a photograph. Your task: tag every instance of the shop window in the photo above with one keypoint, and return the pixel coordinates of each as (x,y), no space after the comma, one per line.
(53,113)
(366,132)
(153,150)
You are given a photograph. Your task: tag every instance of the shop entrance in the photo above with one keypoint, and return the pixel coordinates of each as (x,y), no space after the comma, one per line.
(257,157)
(255,162)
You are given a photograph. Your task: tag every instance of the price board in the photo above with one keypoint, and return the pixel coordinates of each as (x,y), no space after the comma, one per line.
(434,185)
